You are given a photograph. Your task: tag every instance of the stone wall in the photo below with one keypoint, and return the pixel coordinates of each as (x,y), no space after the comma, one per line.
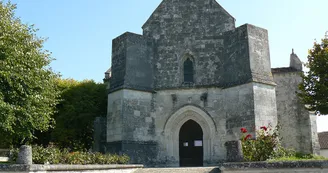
(184,29)
(276,167)
(146,117)
(324,152)
(130,125)
(298,126)
(247,56)
(132,62)
(139,122)
(265,109)
(99,134)
(218,108)
(69,168)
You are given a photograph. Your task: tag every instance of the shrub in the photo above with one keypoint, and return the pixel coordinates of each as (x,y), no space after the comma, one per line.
(262,147)
(42,155)
(267,146)
(53,155)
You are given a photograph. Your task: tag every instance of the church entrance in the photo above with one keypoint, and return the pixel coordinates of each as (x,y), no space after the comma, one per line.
(191,144)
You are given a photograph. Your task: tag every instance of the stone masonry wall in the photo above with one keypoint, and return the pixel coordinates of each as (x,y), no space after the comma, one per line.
(298,128)
(247,56)
(188,28)
(132,65)
(136,119)
(130,127)
(230,109)
(265,108)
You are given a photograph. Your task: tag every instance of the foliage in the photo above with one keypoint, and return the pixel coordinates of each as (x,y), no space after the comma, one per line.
(80,103)
(261,148)
(53,155)
(267,147)
(298,157)
(28,94)
(314,88)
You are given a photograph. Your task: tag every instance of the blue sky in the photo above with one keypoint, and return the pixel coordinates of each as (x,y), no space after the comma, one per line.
(80,31)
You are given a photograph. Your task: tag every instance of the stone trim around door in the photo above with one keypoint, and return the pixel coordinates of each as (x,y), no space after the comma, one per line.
(180,117)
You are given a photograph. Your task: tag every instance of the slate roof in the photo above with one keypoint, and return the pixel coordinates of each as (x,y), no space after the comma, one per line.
(323,140)
(283,70)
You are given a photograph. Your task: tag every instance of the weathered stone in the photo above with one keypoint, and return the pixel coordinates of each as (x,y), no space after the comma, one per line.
(192,63)
(234,151)
(7,168)
(295,62)
(25,155)
(99,134)
(298,126)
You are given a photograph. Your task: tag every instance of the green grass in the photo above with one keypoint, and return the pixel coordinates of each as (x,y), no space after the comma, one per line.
(299,158)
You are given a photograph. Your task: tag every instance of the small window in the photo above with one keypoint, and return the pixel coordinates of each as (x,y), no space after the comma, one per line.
(188,71)
(185,144)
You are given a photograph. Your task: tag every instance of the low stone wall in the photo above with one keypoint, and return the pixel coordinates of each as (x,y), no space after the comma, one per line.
(241,167)
(7,168)
(276,167)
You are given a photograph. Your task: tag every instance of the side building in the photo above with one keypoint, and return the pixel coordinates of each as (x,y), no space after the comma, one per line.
(298,125)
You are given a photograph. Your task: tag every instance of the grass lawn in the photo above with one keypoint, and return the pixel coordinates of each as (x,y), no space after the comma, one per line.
(295,158)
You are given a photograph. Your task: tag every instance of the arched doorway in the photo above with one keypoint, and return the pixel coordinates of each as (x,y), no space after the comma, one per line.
(174,124)
(191,144)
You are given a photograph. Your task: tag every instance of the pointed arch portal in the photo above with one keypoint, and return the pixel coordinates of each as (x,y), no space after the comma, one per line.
(191,144)
(186,120)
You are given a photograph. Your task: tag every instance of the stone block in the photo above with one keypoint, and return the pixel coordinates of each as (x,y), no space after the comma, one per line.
(234,151)
(136,113)
(25,155)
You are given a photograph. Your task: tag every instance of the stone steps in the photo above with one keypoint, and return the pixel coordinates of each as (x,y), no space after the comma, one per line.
(180,170)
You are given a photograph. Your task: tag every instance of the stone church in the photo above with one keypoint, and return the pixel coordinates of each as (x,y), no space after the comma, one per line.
(181,91)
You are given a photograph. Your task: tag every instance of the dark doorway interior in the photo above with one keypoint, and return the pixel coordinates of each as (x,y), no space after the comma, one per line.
(191,144)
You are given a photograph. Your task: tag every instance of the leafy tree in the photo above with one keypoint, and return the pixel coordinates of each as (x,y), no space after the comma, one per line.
(81,103)
(28,94)
(314,88)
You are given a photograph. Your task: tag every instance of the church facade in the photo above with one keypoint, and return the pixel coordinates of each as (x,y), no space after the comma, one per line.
(181,91)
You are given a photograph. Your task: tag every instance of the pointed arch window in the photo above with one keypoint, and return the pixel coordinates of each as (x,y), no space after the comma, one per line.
(188,71)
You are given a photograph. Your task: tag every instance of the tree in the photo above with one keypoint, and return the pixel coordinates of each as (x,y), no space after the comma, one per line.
(314,88)
(28,94)
(81,103)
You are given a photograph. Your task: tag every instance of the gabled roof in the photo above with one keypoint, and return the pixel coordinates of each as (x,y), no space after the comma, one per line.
(323,140)
(166,1)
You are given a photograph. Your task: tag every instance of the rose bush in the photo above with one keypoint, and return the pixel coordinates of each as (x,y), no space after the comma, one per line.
(262,147)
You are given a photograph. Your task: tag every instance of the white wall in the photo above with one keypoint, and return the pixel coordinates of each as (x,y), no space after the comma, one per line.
(322,122)
(324,152)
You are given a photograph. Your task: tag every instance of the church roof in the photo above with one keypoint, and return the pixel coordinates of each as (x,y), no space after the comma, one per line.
(323,140)
(166,1)
(283,70)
